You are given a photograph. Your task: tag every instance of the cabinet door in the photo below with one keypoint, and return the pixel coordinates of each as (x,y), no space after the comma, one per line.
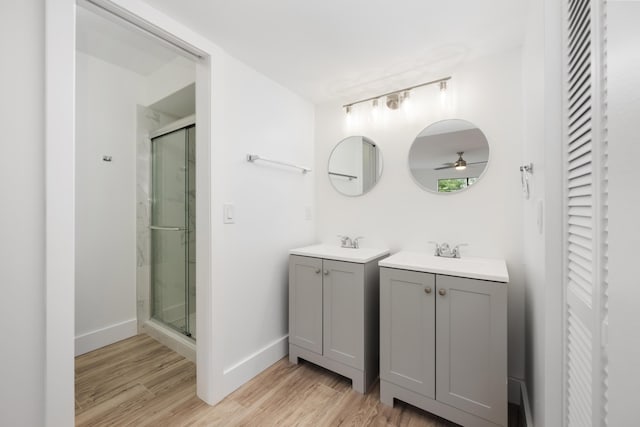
(344,312)
(305,302)
(407,330)
(471,346)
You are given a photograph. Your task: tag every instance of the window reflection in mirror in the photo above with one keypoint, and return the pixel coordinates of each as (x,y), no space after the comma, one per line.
(449,156)
(355,166)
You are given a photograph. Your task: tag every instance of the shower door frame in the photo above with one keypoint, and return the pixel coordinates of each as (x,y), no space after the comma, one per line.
(59,176)
(181,125)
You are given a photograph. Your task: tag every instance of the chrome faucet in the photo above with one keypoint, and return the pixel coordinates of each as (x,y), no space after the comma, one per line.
(347,242)
(444,250)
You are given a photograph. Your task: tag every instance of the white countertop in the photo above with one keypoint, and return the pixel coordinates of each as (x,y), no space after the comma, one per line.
(473,268)
(360,255)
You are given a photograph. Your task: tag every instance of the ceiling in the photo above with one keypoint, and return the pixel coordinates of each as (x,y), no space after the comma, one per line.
(181,103)
(118,43)
(343,50)
(437,149)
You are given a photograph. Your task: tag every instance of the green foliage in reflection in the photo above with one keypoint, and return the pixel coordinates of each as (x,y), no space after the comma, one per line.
(454,184)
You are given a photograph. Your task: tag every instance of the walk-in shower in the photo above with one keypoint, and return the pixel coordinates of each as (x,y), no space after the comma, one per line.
(173,221)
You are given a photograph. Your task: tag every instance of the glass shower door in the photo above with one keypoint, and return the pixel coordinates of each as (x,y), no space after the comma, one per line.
(170,230)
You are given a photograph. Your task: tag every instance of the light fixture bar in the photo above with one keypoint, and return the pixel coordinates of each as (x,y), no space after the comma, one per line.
(444,79)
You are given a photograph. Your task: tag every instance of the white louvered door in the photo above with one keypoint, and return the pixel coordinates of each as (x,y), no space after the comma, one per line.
(585,215)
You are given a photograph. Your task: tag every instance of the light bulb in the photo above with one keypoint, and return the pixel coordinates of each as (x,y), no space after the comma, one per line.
(443,92)
(406,99)
(375,109)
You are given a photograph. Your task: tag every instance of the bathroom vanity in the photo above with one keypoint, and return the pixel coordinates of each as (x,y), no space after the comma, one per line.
(334,309)
(443,336)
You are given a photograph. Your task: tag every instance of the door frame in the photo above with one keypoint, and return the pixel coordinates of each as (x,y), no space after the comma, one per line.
(59,49)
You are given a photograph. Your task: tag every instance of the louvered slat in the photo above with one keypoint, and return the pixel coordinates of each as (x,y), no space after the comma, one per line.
(579,192)
(579,397)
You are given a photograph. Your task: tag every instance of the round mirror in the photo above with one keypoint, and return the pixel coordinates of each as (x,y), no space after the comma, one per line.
(448,156)
(355,166)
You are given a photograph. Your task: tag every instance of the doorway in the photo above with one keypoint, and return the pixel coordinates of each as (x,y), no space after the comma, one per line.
(60,108)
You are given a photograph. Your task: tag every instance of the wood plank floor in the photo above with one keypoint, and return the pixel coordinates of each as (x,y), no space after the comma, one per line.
(140,382)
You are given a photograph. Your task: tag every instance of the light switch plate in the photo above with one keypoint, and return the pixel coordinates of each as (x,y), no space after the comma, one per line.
(228,213)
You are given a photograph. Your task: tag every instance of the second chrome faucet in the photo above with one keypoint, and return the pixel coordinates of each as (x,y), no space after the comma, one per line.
(348,242)
(444,250)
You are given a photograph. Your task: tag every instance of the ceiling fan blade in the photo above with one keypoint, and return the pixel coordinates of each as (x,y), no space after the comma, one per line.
(444,167)
(452,165)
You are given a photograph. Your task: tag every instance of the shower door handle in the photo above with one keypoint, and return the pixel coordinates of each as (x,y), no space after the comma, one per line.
(157,227)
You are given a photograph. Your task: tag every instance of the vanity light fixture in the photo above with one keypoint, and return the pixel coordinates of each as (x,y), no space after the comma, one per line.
(394,99)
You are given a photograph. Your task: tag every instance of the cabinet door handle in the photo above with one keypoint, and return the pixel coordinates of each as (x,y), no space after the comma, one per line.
(427,290)
(317,271)
(442,291)
(326,272)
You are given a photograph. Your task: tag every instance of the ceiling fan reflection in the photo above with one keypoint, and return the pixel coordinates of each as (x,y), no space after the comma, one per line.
(459,164)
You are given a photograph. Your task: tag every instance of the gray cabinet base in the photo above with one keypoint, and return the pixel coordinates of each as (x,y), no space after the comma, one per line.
(360,381)
(389,391)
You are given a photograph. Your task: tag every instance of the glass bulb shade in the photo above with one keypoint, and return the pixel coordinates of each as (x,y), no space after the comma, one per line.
(393,101)
(461,167)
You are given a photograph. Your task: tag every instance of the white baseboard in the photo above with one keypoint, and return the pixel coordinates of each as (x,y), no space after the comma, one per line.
(246,369)
(105,336)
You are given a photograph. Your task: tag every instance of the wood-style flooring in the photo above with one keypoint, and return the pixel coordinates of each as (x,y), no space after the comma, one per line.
(140,382)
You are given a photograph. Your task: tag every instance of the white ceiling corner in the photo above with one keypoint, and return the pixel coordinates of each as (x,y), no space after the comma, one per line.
(336,50)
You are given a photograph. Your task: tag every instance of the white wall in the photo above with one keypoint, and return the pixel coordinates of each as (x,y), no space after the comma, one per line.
(624,210)
(22,214)
(252,114)
(106,99)
(398,214)
(541,213)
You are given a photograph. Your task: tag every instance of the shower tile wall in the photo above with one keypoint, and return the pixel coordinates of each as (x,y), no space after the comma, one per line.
(148,121)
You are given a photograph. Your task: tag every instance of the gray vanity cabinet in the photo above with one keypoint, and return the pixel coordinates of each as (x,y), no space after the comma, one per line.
(333,316)
(443,345)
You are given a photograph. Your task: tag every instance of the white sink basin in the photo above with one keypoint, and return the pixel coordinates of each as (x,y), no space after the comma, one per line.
(473,268)
(360,256)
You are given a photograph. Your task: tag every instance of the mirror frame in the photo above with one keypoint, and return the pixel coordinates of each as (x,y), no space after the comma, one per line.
(419,184)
